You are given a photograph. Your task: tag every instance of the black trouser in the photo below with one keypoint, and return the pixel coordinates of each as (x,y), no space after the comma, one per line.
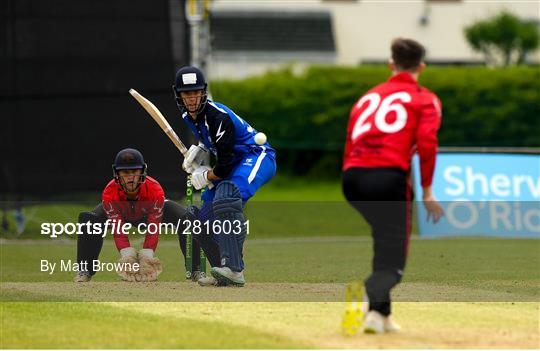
(89,245)
(382,196)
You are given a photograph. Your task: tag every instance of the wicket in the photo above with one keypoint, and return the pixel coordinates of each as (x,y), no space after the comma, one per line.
(189,237)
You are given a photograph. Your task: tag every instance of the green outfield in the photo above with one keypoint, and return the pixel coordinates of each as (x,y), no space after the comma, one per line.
(261,325)
(458,287)
(319,210)
(457,293)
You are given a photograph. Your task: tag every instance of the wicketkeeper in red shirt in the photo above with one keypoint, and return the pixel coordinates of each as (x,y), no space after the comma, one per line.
(135,198)
(386,126)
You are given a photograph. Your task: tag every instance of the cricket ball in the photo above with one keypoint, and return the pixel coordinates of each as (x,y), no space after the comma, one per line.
(260,138)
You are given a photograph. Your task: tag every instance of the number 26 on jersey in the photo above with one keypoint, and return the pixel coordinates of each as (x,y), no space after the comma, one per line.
(392,103)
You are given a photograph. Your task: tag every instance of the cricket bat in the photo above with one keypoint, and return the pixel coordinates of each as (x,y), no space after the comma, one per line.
(166,127)
(160,120)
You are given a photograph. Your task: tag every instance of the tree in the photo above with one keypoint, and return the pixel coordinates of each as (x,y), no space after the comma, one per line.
(504,39)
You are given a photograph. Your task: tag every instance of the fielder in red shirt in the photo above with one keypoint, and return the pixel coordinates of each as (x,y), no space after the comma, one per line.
(386,126)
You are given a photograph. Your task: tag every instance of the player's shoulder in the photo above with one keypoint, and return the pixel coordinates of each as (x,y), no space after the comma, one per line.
(152,183)
(427,97)
(218,114)
(426,92)
(110,192)
(378,88)
(418,93)
(215,109)
(151,190)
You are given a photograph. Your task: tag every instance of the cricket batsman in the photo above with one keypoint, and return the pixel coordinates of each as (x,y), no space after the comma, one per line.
(243,164)
(130,197)
(386,126)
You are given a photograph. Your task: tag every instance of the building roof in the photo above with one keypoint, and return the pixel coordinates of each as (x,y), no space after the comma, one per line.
(271,31)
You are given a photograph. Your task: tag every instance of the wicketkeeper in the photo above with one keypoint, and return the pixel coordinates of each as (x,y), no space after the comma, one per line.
(131,197)
(242,167)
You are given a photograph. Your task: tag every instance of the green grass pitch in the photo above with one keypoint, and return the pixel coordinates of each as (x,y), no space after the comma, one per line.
(457,293)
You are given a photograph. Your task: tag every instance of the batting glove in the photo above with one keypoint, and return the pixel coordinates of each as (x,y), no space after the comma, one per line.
(199,177)
(196,156)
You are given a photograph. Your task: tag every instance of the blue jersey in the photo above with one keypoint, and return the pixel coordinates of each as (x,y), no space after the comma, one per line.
(239,160)
(226,135)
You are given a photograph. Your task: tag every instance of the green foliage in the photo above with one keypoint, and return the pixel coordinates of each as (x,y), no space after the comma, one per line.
(305,116)
(503,38)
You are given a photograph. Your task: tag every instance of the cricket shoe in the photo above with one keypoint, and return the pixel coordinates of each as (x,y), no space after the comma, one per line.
(208,281)
(390,326)
(374,323)
(82,277)
(198,275)
(225,276)
(353,316)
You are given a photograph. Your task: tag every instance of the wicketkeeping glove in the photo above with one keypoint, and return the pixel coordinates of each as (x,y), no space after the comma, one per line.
(150,266)
(128,256)
(196,156)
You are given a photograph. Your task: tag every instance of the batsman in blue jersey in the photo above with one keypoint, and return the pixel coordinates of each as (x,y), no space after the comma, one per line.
(242,166)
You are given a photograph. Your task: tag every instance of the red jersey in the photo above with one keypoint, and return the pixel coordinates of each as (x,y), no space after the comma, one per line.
(390,122)
(148,207)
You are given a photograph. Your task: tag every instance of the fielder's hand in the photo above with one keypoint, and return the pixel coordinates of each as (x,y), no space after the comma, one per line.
(150,266)
(434,209)
(196,156)
(128,256)
(199,177)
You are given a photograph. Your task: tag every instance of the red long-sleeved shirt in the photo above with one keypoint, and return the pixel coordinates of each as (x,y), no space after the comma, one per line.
(392,121)
(148,207)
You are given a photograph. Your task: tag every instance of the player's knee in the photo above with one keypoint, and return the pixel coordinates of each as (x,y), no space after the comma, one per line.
(86,233)
(206,213)
(228,198)
(85,217)
(172,211)
(191,213)
(227,189)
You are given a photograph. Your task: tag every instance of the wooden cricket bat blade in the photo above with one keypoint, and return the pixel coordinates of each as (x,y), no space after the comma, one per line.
(154,112)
